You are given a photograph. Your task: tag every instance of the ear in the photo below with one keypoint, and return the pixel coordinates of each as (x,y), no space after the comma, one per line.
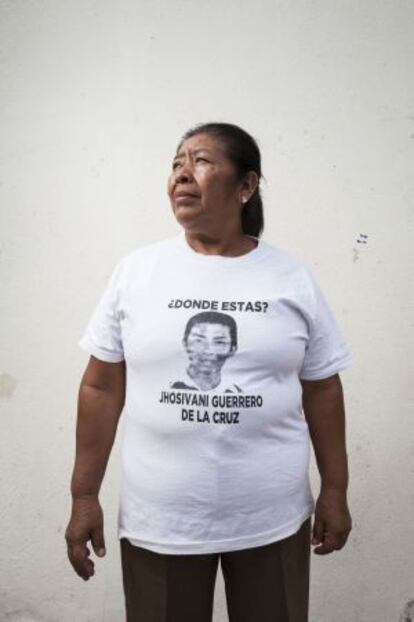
(248,186)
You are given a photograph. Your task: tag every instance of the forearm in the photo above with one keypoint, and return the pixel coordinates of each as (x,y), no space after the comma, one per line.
(98,415)
(324,409)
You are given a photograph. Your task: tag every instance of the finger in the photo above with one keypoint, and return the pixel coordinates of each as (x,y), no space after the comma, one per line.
(80,562)
(317,532)
(323,549)
(98,541)
(331,542)
(339,540)
(78,556)
(88,570)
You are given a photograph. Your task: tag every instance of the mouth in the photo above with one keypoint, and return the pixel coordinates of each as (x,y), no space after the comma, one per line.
(185,197)
(179,195)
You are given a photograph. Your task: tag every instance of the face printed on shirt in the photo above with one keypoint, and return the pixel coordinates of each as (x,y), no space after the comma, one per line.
(208,346)
(210,339)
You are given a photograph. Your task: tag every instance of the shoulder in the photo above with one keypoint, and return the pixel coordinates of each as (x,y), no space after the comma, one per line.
(286,262)
(147,250)
(139,259)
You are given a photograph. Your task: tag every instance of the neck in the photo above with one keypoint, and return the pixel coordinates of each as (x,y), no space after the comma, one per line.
(218,243)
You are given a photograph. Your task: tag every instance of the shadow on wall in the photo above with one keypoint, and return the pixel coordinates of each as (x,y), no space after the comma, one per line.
(408,613)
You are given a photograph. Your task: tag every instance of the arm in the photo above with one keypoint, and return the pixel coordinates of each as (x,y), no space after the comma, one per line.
(100,403)
(324,410)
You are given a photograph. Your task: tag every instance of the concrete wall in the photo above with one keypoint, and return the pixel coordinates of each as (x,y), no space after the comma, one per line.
(94,96)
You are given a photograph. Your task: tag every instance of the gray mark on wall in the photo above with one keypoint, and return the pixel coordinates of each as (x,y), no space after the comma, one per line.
(361,239)
(7,385)
(408,613)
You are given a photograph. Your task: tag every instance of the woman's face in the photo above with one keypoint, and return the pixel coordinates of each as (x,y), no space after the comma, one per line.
(206,180)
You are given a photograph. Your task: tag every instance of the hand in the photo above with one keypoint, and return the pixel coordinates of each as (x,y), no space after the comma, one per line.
(332,523)
(86,523)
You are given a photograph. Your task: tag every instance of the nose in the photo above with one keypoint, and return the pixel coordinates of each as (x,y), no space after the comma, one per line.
(183,174)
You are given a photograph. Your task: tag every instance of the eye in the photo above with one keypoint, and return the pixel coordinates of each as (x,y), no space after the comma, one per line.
(174,165)
(201,160)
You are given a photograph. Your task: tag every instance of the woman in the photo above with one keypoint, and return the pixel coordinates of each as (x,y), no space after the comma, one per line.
(226,356)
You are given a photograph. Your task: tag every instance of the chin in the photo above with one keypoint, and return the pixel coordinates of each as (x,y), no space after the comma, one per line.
(187,223)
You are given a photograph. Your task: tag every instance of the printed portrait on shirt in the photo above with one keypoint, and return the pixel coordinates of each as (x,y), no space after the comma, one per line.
(210,339)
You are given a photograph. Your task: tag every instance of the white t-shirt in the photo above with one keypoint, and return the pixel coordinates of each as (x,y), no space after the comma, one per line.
(215,447)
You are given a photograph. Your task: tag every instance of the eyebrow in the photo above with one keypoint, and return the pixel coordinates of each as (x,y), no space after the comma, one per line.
(181,155)
(215,338)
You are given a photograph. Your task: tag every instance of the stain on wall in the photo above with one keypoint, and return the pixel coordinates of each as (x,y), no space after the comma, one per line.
(408,613)
(7,385)
(361,239)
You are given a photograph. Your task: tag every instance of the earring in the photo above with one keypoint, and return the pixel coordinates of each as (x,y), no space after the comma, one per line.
(244,199)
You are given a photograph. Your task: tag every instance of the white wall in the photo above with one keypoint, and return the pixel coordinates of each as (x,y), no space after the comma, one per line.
(95,95)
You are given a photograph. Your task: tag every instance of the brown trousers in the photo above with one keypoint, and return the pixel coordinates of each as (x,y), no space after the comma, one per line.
(268,583)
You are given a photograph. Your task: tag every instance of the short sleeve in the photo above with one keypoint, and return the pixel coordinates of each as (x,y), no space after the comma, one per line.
(102,337)
(326,351)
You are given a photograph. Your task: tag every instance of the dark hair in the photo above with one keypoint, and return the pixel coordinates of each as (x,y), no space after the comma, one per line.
(243,151)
